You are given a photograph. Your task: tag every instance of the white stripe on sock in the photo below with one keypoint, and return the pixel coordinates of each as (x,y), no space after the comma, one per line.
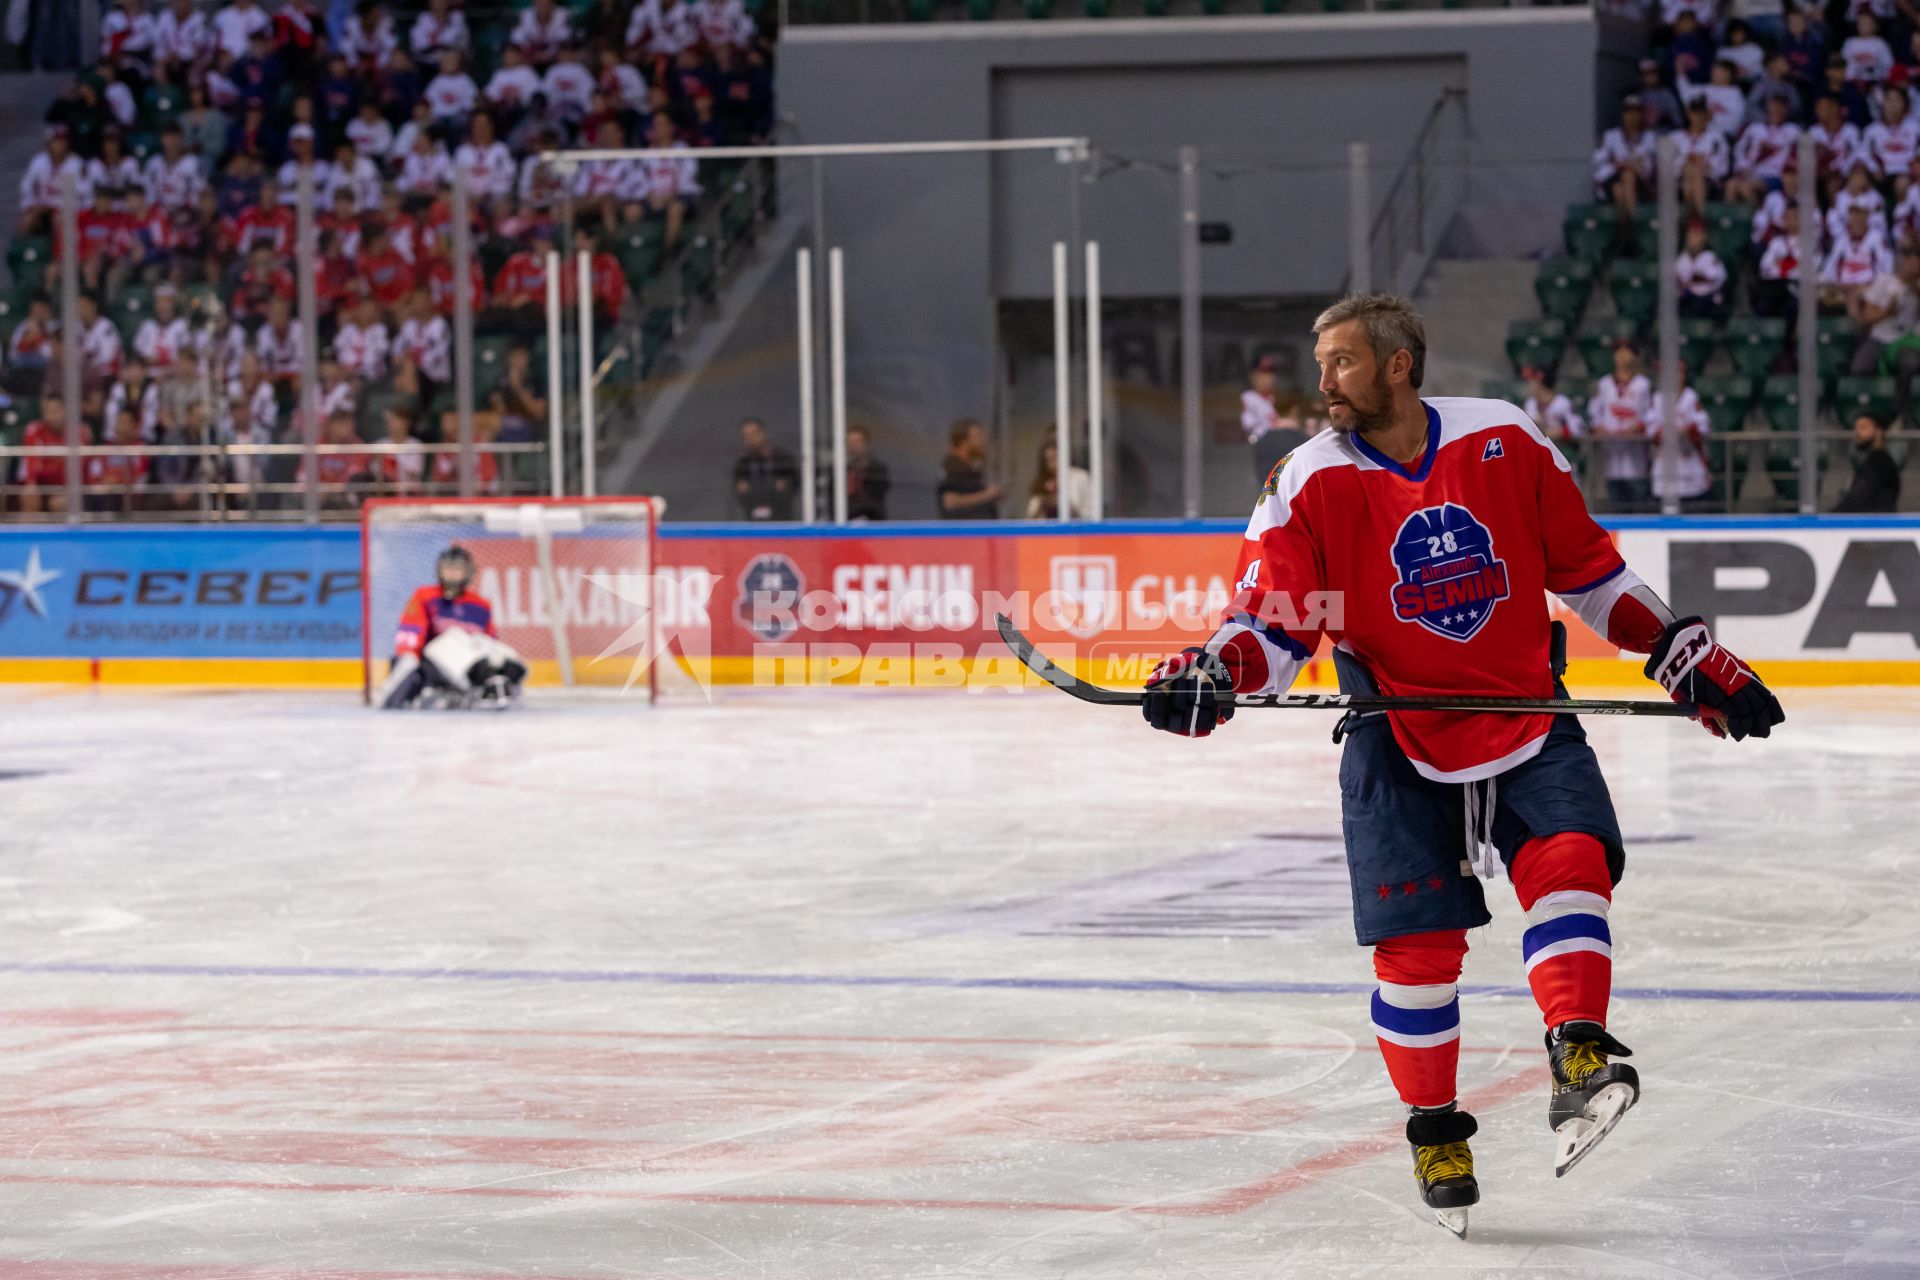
(1567,946)
(1567,902)
(1427,1041)
(1435,996)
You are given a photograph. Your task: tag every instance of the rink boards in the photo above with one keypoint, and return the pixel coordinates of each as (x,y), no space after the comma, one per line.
(1818,600)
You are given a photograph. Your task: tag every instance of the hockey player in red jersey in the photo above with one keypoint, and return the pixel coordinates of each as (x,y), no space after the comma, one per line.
(447,649)
(1434,529)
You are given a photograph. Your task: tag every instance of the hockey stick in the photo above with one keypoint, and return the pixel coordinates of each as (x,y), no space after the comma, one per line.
(1066,682)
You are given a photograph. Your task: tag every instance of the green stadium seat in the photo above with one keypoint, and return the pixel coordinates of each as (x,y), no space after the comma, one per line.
(1730,233)
(1698,338)
(1563,286)
(737,206)
(920,10)
(1536,343)
(131,306)
(1854,396)
(980,10)
(1754,344)
(1635,285)
(1725,400)
(1597,340)
(1038,8)
(697,268)
(1513,390)
(1589,231)
(1213,8)
(1646,232)
(1780,401)
(1833,343)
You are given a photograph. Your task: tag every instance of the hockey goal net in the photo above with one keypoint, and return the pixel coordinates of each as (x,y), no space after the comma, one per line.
(573,582)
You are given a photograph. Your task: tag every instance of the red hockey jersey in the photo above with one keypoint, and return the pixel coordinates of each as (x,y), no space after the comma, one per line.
(1434,574)
(429,613)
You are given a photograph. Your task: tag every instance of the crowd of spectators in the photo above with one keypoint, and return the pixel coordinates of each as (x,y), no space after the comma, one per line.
(190,139)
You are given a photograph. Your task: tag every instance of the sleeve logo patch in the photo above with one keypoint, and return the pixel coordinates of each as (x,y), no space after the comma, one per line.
(1449,577)
(1272,486)
(1493,450)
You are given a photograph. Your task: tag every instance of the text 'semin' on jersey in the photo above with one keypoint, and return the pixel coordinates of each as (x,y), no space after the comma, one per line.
(1449,578)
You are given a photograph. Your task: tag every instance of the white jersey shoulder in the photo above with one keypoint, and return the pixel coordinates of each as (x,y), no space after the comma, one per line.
(1462,416)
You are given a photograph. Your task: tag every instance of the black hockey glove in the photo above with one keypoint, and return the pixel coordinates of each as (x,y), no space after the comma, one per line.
(1692,667)
(1190,694)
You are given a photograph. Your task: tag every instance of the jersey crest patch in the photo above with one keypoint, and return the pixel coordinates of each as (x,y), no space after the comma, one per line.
(1493,450)
(1450,578)
(1272,486)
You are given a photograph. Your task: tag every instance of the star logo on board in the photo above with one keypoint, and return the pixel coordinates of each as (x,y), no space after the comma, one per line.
(649,635)
(24,585)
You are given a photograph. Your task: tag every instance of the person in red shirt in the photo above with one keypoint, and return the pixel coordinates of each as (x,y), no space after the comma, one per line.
(447,645)
(1422,536)
(43,479)
(99,228)
(608,282)
(265,278)
(439,284)
(342,467)
(520,290)
(386,276)
(112,477)
(267,225)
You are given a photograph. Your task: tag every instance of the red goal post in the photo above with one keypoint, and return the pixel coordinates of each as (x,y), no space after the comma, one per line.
(572,581)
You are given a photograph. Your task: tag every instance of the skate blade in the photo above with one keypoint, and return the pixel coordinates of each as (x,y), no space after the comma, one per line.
(1582,1134)
(1454,1220)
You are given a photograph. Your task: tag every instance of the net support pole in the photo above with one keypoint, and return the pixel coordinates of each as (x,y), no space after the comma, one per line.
(70,335)
(1190,332)
(1096,391)
(1667,212)
(1062,383)
(589,431)
(809,463)
(1809,327)
(556,383)
(1359,219)
(463,333)
(837,374)
(306,271)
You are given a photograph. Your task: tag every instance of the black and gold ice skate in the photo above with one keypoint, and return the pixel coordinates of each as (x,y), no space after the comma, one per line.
(1590,1094)
(1443,1164)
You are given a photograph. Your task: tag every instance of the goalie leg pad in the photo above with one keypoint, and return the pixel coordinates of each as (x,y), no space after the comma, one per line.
(405,682)
(453,655)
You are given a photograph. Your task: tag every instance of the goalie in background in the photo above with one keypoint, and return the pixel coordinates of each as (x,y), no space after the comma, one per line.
(447,652)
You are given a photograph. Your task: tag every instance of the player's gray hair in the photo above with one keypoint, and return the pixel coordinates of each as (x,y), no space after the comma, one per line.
(1390,323)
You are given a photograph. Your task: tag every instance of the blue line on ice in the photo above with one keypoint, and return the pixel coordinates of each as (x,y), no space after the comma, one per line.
(904,980)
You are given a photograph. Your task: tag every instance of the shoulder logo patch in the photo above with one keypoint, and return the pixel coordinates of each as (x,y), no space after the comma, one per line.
(1272,486)
(1493,450)
(1449,577)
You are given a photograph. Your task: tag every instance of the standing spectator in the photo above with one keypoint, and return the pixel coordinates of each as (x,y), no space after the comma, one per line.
(1705,159)
(1886,311)
(1623,167)
(764,478)
(236,25)
(964,492)
(441,28)
(1550,410)
(1691,476)
(867,479)
(1876,478)
(1043,500)
(1702,276)
(1617,418)
(542,31)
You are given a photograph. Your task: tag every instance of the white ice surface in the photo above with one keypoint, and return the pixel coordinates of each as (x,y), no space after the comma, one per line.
(292,989)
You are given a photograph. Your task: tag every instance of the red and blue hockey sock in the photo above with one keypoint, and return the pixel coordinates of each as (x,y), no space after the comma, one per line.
(1564,888)
(1416,1013)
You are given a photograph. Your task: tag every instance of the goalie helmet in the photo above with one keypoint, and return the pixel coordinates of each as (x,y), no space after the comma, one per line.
(455,570)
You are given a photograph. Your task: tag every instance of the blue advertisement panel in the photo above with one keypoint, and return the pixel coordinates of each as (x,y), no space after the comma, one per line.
(179,592)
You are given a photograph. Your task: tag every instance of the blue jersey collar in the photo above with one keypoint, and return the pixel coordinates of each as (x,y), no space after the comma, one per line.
(1426,458)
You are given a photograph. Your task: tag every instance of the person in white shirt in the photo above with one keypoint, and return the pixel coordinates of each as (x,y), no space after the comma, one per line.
(133,391)
(1688,476)
(426,339)
(1738,47)
(1722,96)
(1859,192)
(543,30)
(722,22)
(300,149)
(485,161)
(1701,275)
(164,339)
(1623,164)
(672,183)
(398,460)
(440,28)
(421,121)
(173,176)
(182,39)
(1271,433)
(1869,59)
(1891,142)
(1836,142)
(100,346)
(236,24)
(362,345)
(220,344)
(354,173)
(1617,420)
(624,79)
(1886,313)
(540,186)
(511,88)
(1771,215)
(452,94)
(338,392)
(426,169)
(1762,153)
(251,391)
(1857,256)
(569,86)
(127,35)
(1705,158)
(1550,410)
(277,344)
(370,133)
(40,186)
(113,168)
(660,29)
(369,39)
